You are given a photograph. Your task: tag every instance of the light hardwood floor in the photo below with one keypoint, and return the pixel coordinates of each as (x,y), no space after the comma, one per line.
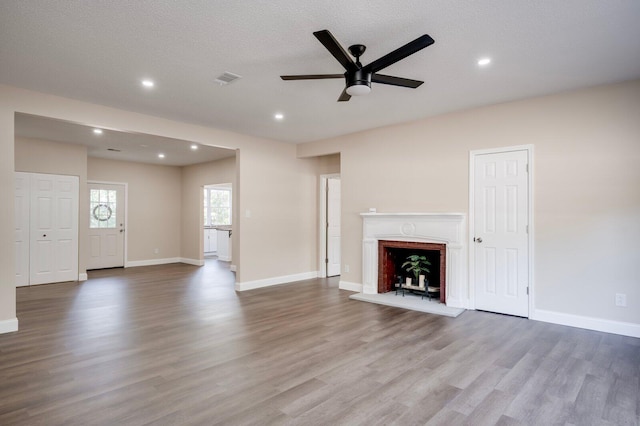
(175,345)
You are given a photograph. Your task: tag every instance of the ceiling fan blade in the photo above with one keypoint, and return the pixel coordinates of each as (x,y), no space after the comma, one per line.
(400,53)
(311,76)
(332,45)
(395,81)
(344,96)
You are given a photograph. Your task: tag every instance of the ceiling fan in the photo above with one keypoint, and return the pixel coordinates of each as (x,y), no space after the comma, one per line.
(359,78)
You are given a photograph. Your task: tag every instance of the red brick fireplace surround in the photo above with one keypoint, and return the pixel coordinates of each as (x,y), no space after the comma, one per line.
(387,269)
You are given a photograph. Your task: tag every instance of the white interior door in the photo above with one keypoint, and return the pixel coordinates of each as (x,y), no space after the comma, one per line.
(21,232)
(106,225)
(501,232)
(54,228)
(333,226)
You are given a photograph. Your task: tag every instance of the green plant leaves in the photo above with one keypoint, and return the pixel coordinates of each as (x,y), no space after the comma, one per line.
(418,265)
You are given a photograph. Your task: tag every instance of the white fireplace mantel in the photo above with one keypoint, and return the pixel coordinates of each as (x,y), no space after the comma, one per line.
(447,228)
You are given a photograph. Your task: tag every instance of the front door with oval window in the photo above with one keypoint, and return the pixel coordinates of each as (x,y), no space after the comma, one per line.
(106,225)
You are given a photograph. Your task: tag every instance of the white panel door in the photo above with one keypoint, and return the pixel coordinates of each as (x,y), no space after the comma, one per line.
(106,225)
(54,228)
(333,227)
(21,232)
(501,232)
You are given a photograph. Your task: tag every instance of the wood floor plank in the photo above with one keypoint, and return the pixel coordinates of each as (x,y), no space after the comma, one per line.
(470,397)
(175,344)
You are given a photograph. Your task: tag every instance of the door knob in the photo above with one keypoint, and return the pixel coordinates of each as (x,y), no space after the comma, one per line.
(122,230)
(478,240)
(44,235)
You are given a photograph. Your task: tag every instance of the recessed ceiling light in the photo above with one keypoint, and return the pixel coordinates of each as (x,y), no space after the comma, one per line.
(484,62)
(161,155)
(194,147)
(279,116)
(148,83)
(97,131)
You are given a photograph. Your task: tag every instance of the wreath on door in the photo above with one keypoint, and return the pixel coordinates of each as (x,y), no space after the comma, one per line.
(102,212)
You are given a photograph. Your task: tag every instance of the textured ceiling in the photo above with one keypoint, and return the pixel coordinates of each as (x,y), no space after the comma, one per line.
(99,52)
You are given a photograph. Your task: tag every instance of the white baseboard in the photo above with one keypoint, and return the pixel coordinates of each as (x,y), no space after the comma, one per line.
(150,262)
(589,323)
(9,326)
(233,268)
(196,262)
(267,282)
(83,277)
(346,285)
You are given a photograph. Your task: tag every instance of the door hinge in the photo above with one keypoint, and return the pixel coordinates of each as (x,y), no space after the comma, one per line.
(326,261)
(527,229)
(527,290)
(527,167)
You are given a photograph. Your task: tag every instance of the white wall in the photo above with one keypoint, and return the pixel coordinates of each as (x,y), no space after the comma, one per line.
(156,220)
(8,320)
(586,188)
(153,208)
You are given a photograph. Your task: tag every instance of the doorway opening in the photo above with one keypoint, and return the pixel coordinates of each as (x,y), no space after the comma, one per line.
(218,214)
(330,234)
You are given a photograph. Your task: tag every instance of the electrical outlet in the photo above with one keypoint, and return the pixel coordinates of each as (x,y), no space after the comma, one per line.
(346,268)
(156,251)
(621,299)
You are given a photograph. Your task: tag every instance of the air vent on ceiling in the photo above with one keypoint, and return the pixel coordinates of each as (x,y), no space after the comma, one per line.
(226,78)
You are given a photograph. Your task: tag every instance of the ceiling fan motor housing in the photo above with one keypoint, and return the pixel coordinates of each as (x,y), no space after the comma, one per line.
(358,82)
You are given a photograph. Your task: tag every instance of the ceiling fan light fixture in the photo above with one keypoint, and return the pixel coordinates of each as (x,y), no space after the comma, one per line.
(359,89)
(358,83)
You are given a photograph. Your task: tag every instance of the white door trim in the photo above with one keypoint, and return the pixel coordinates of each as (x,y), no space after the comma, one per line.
(472,245)
(322,224)
(126,212)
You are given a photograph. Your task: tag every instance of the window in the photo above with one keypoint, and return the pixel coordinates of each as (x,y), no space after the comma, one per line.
(217,206)
(102,208)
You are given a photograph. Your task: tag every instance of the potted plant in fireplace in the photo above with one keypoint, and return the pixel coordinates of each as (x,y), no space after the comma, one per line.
(418,266)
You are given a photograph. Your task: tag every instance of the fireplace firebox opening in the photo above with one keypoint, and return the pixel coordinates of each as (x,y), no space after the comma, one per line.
(392,254)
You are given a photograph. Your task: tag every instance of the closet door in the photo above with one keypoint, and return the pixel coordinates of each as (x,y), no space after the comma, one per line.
(54,228)
(21,231)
